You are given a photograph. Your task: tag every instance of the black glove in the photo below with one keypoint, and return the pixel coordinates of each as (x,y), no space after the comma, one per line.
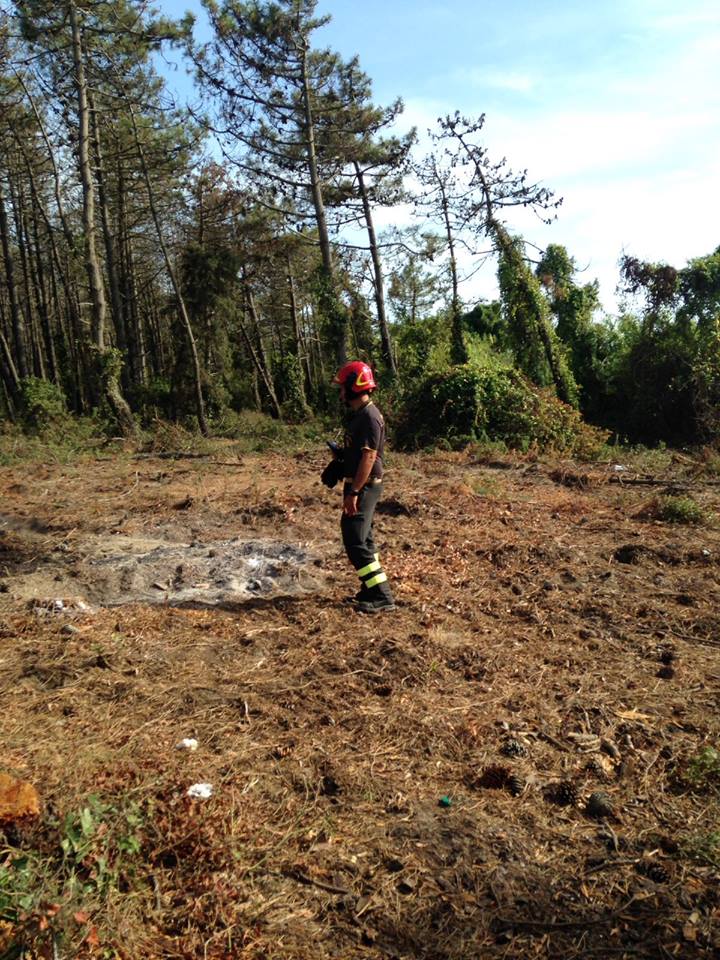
(333,473)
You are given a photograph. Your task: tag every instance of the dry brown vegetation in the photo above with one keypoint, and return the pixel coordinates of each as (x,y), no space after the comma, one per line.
(518,762)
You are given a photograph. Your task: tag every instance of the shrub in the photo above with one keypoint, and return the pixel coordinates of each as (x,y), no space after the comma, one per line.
(674,509)
(484,401)
(43,403)
(153,399)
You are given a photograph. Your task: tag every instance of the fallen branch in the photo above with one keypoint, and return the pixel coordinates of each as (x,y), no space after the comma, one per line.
(309,881)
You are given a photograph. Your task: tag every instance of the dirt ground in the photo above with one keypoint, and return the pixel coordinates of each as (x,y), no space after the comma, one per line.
(516,763)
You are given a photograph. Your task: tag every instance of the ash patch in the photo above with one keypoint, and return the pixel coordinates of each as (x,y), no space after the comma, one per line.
(220,573)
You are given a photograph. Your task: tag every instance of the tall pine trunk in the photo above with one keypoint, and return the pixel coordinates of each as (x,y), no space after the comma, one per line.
(378,282)
(108,365)
(184,316)
(330,303)
(257,355)
(15,316)
(458,349)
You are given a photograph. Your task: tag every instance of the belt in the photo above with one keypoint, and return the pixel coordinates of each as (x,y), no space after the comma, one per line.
(371,481)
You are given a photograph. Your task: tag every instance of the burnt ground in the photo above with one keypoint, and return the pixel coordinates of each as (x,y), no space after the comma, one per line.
(517,763)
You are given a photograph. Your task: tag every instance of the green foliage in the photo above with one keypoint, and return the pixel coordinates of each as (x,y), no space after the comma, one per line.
(333,315)
(699,289)
(77,438)
(99,843)
(706,381)
(705,848)
(153,399)
(422,347)
(538,352)
(258,433)
(43,403)
(651,380)
(413,289)
(289,377)
(673,509)
(486,320)
(703,770)
(676,350)
(109,364)
(590,344)
(95,854)
(701,773)
(207,271)
(18,886)
(490,401)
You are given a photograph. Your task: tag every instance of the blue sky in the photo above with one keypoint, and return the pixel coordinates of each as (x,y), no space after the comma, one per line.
(613,105)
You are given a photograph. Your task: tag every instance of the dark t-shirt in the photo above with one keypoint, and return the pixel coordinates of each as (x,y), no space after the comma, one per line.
(365,431)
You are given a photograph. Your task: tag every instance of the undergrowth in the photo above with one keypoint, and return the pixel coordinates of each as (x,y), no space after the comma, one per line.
(63,442)
(70,439)
(676,509)
(490,402)
(83,866)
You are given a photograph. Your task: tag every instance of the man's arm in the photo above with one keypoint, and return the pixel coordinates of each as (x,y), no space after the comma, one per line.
(362,475)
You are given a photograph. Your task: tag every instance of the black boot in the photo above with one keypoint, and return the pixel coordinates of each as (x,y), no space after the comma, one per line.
(376,600)
(362,594)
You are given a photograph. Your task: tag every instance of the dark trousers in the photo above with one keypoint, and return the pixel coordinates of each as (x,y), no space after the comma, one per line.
(357,536)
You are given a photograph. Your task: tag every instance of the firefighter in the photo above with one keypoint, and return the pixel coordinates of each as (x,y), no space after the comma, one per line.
(362,457)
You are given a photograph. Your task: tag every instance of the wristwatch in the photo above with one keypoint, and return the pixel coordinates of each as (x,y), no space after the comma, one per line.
(353,493)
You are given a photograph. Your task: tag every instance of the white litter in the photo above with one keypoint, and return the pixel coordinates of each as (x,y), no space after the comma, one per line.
(68,606)
(619,468)
(200,791)
(187,743)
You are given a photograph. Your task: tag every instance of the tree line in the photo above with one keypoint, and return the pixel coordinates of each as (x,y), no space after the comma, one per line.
(179,260)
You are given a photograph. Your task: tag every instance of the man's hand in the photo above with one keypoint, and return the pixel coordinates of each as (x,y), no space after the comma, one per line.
(350,505)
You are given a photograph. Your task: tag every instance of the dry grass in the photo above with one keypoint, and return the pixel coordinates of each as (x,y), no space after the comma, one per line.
(545,614)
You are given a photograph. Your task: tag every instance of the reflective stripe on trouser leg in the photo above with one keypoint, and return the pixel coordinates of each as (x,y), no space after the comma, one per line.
(370,568)
(362,552)
(380,578)
(372,574)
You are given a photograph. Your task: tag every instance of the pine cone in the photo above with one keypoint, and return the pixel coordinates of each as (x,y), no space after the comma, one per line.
(596,769)
(653,871)
(493,777)
(566,793)
(513,748)
(599,805)
(516,785)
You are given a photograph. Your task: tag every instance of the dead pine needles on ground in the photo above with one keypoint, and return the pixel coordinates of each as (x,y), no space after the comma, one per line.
(521,761)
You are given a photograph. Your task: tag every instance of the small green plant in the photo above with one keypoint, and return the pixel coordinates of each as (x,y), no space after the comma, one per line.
(18,886)
(96,856)
(485,486)
(675,509)
(703,770)
(705,848)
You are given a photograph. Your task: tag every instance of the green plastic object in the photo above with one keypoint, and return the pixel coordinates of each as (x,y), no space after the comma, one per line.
(444,802)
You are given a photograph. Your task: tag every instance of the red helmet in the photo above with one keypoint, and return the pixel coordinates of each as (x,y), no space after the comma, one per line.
(356,376)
